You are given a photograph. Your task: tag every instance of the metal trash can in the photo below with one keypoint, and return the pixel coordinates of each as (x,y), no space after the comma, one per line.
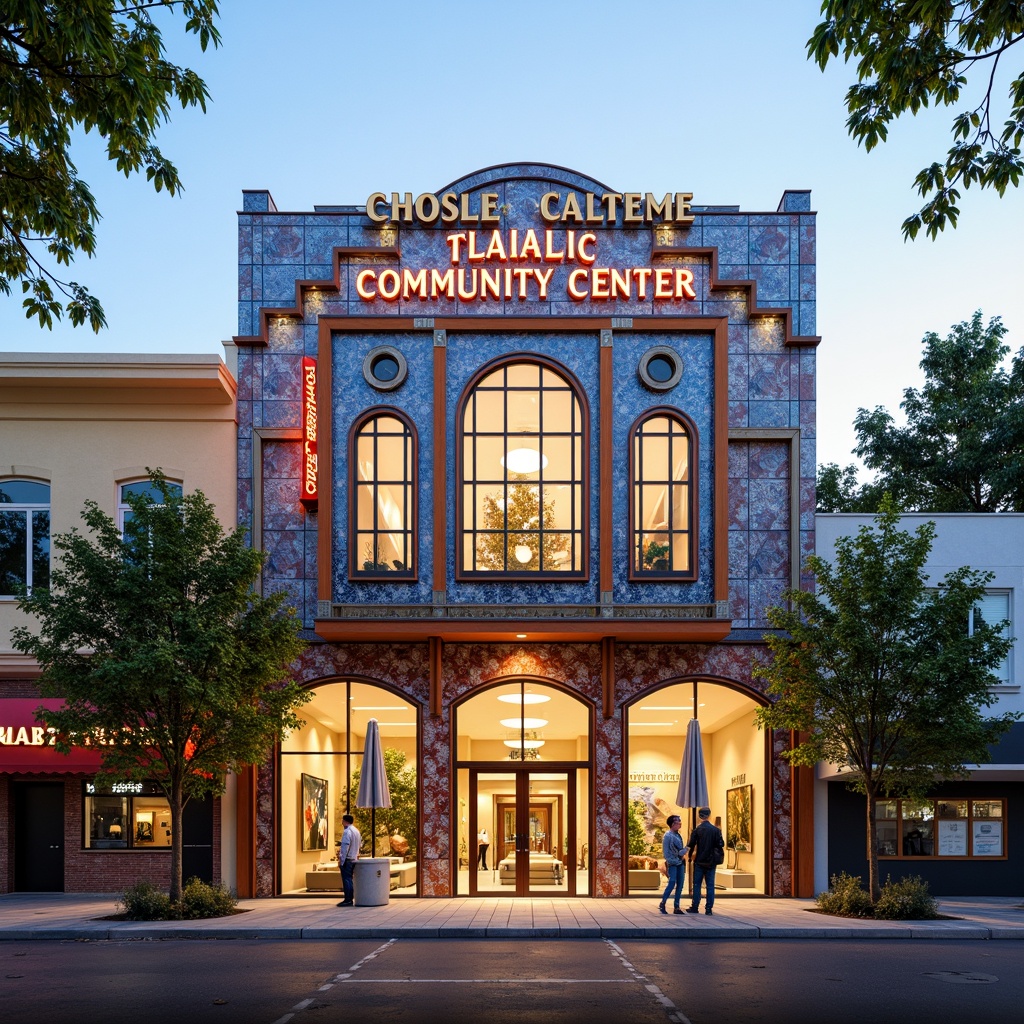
(372,881)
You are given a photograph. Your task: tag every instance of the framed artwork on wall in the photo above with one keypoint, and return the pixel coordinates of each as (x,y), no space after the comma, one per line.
(739,818)
(313,823)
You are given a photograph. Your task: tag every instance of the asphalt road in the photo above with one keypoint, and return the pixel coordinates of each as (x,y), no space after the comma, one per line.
(527,981)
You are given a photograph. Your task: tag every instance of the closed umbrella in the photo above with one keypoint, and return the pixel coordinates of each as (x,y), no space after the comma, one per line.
(373,780)
(693,781)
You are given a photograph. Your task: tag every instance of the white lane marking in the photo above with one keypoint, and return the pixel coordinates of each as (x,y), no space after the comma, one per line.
(675,1015)
(344,976)
(490,981)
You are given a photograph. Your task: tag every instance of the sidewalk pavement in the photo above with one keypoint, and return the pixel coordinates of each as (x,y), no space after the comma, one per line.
(26,916)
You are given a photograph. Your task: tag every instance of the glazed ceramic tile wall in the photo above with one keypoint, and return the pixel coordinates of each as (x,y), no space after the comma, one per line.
(771,387)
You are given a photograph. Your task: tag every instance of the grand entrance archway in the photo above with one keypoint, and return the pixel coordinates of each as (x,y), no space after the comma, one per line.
(523,771)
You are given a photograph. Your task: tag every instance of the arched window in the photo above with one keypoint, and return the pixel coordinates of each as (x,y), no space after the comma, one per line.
(522,452)
(24,535)
(663,507)
(136,488)
(382,524)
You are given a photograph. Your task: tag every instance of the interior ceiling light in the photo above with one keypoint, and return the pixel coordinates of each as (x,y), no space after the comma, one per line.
(526,744)
(526,698)
(523,554)
(524,460)
(524,723)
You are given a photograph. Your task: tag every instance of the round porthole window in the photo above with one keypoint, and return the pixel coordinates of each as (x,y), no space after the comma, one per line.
(660,368)
(385,368)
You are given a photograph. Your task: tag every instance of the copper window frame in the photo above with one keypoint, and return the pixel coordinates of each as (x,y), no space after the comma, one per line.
(409,485)
(693,511)
(579,535)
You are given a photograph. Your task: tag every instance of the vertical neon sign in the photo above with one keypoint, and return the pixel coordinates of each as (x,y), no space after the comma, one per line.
(310,474)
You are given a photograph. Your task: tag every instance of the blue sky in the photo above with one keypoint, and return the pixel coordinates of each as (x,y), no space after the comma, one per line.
(325,101)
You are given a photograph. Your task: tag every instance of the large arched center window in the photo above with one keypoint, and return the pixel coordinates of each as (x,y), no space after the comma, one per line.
(383,492)
(662,513)
(523,498)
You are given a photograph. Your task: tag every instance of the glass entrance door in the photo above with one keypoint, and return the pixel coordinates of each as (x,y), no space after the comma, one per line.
(528,818)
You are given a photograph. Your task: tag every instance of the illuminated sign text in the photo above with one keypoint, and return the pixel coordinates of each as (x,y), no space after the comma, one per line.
(310,472)
(481,272)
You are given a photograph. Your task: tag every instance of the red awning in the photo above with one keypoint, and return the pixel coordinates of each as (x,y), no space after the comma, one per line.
(25,747)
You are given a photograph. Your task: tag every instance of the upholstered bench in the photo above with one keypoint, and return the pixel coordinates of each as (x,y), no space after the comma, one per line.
(320,881)
(544,870)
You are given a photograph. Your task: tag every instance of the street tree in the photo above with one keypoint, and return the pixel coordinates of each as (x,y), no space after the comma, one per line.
(838,489)
(167,661)
(878,672)
(71,66)
(910,54)
(962,448)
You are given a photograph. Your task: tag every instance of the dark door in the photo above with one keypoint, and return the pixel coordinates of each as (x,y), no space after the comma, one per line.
(39,836)
(197,840)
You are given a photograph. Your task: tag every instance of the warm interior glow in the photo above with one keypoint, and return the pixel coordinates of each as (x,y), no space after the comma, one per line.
(527,744)
(526,698)
(523,554)
(524,723)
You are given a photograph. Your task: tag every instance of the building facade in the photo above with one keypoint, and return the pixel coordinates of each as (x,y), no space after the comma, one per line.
(88,427)
(531,457)
(964,838)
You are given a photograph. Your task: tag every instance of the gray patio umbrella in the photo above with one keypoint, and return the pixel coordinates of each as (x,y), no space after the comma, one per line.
(373,780)
(693,782)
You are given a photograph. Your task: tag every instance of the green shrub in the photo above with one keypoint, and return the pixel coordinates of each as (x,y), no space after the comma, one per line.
(846,897)
(145,902)
(906,900)
(199,899)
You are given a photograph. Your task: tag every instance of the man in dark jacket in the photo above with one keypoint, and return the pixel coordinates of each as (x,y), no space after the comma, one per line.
(705,842)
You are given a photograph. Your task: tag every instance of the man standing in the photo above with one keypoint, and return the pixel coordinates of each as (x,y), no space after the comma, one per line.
(348,854)
(705,843)
(675,867)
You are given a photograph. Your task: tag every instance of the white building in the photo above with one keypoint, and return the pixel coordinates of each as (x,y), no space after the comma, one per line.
(975,820)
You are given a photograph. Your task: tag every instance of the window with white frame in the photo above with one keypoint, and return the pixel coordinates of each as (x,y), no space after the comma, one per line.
(140,487)
(24,536)
(992,609)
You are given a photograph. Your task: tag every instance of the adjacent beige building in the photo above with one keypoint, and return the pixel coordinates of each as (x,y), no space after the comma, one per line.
(75,428)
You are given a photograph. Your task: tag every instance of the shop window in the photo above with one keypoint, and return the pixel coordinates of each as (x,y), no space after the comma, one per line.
(993,608)
(734,755)
(662,510)
(140,487)
(126,816)
(320,766)
(383,488)
(522,474)
(24,536)
(943,827)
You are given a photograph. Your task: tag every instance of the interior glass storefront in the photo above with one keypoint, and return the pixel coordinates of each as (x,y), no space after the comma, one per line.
(319,778)
(523,792)
(735,761)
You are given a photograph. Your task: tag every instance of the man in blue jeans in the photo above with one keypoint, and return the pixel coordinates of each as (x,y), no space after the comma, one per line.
(675,867)
(705,842)
(348,854)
